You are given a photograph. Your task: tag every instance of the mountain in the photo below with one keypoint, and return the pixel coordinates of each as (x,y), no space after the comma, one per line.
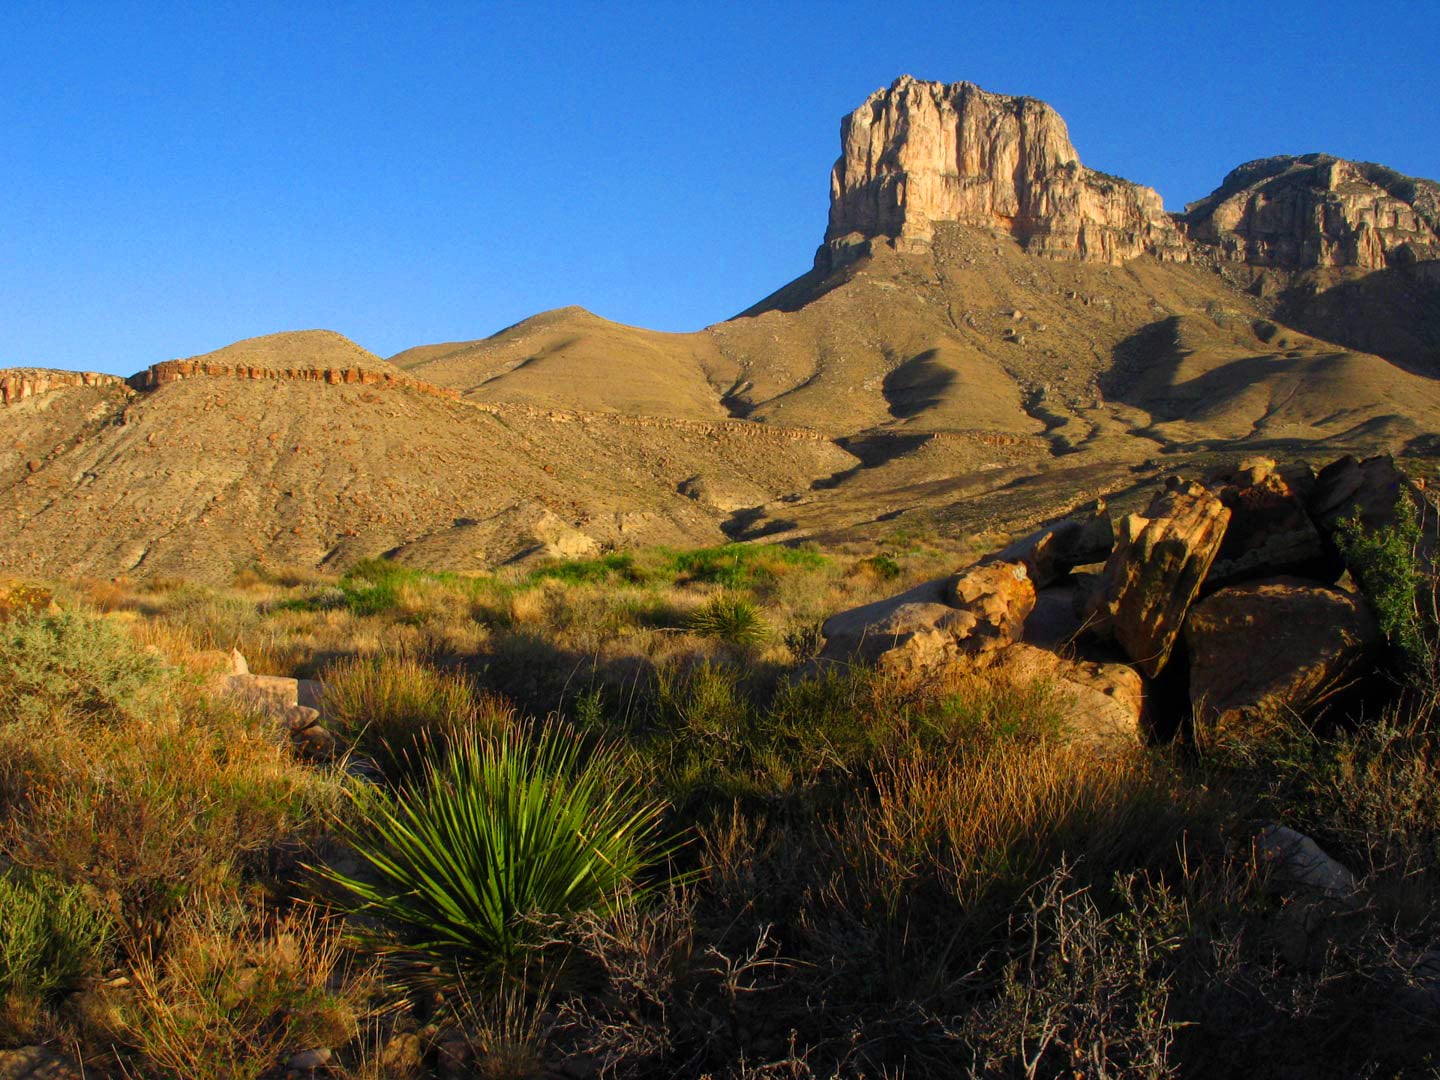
(989,332)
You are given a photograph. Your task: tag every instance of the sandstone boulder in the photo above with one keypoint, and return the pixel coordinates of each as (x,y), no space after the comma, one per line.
(1348,488)
(271,694)
(1051,553)
(1155,571)
(937,622)
(1101,704)
(1268,650)
(999,595)
(724,493)
(1269,533)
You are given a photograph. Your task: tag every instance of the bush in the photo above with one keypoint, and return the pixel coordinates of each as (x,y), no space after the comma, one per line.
(231,997)
(50,936)
(495,834)
(72,668)
(391,707)
(731,619)
(1387,564)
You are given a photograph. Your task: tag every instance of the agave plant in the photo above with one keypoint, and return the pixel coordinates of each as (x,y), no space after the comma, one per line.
(495,833)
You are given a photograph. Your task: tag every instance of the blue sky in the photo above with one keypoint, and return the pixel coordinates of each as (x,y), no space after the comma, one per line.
(178,176)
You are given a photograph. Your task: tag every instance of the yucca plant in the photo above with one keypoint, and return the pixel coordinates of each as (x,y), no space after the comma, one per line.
(499,832)
(732,619)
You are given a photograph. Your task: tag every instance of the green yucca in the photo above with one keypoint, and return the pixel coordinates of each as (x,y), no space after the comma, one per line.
(495,833)
(732,619)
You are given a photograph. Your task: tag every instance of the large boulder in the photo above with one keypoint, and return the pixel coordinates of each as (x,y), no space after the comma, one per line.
(1349,488)
(1269,532)
(1101,704)
(1155,571)
(941,621)
(1051,553)
(1269,650)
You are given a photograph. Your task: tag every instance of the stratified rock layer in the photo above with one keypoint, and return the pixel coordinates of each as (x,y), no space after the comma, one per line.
(1298,213)
(21,384)
(918,153)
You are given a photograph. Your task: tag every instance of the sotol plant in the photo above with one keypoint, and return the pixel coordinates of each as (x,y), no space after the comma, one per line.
(495,833)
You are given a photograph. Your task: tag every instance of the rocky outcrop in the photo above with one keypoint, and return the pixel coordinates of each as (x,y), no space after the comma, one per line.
(1051,553)
(1155,571)
(21,384)
(1268,651)
(919,153)
(1298,213)
(174,370)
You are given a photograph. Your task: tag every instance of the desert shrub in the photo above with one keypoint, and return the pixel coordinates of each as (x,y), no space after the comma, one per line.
(378,586)
(72,668)
(1386,561)
(50,936)
(391,707)
(1091,995)
(500,831)
(732,619)
(231,996)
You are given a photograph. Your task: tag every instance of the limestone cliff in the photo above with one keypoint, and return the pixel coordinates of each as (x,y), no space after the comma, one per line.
(21,384)
(918,153)
(1299,213)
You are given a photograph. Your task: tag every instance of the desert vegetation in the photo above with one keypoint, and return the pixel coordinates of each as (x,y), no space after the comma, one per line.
(606,818)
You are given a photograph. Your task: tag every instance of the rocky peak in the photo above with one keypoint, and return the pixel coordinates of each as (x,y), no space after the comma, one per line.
(1296,213)
(919,153)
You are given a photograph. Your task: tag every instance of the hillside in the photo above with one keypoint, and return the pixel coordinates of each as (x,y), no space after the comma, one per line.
(989,330)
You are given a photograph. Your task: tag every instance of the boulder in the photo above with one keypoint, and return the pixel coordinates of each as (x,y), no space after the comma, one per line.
(1296,861)
(272,694)
(1348,488)
(940,621)
(1267,650)
(1054,623)
(1101,704)
(724,493)
(1000,596)
(1051,553)
(1269,533)
(1155,571)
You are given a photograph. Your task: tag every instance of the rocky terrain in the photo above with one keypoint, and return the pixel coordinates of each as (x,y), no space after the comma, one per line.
(989,329)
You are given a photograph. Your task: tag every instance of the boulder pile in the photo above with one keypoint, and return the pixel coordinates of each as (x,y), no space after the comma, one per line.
(1230,592)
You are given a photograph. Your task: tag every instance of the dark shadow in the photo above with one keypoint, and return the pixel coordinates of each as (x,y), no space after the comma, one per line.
(918,384)
(1393,313)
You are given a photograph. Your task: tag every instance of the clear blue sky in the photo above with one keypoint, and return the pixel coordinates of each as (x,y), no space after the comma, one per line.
(178,176)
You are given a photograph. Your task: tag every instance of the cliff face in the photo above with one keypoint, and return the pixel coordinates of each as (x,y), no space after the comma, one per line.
(1299,213)
(174,370)
(922,152)
(20,384)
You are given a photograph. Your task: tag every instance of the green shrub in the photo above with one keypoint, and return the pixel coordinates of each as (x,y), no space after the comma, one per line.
(373,586)
(72,668)
(391,707)
(619,565)
(496,833)
(1386,562)
(731,619)
(50,936)
(742,566)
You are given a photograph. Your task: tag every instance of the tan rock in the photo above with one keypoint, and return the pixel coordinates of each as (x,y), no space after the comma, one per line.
(1296,213)
(1102,704)
(273,694)
(315,743)
(1270,650)
(1156,569)
(938,622)
(1000,596)
(918,153)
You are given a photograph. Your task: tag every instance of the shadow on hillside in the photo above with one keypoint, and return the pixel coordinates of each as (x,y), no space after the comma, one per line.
(918,385)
